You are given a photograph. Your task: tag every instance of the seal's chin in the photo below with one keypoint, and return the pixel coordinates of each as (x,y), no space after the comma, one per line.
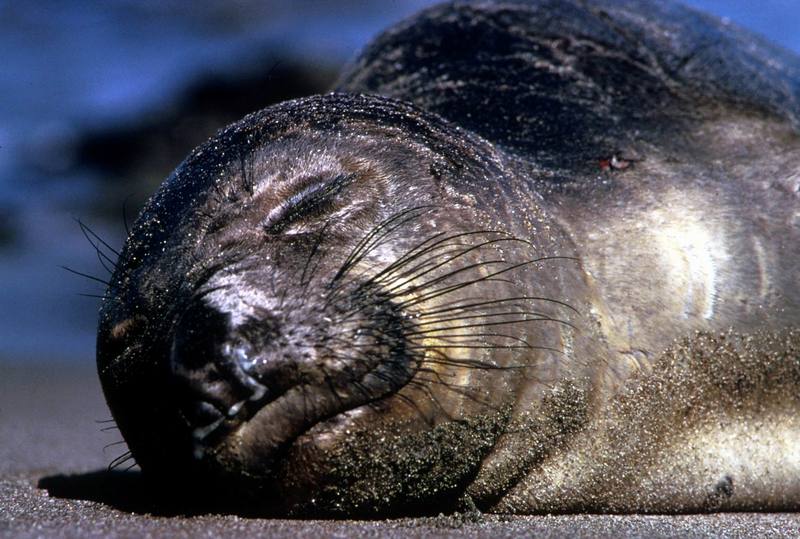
(250,386)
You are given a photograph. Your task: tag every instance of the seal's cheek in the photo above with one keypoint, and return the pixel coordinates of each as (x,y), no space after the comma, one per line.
(377,460)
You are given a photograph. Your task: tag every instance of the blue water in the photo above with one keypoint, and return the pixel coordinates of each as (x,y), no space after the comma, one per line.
(70,65)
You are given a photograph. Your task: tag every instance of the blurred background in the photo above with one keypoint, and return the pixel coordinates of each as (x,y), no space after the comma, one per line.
(102,99)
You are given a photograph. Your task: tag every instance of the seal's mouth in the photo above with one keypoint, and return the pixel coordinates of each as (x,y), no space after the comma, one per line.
(253,386)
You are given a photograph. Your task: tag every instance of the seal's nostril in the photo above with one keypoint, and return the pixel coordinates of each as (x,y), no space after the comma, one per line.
(198,334)
(241,354)
(243,359)
(233,410)
(239,366)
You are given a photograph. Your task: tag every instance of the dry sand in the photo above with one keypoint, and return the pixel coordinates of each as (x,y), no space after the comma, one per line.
(53,483)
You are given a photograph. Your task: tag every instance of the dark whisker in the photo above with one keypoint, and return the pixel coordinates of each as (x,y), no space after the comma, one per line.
(531,347)
(247,180)
(202,293)
(410,256)
(447,261)
(100,258)
(465,391)
(314,249)
(446,250)
(476,364)
(85,228)
(112,444)
(424,388)
(125,457)
(488,324)
(426,284)
(496,301)
(475,346)
(362,247)
(86,275)
(413,405)
(447,290)
(448,338)
(480,315)
(125,216)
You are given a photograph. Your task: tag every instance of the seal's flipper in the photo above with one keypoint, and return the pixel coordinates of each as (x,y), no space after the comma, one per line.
(562,83)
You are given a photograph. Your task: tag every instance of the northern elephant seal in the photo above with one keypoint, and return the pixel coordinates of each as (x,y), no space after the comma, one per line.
(540,256)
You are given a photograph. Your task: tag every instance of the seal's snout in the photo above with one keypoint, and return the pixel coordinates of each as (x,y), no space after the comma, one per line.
(210,370)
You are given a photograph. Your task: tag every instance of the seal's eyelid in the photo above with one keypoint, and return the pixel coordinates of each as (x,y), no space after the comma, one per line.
(304,202)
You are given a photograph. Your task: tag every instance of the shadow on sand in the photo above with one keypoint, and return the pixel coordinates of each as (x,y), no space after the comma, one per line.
(125,491)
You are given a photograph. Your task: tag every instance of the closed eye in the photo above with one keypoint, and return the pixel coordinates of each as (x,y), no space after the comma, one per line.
(313,200)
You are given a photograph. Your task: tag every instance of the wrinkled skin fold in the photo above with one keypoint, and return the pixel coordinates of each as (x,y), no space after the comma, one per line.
(550,269)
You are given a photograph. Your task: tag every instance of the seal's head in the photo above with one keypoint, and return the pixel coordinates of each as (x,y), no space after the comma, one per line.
(315,314)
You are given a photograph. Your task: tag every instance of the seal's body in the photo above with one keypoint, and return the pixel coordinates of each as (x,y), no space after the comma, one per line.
(541,255)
